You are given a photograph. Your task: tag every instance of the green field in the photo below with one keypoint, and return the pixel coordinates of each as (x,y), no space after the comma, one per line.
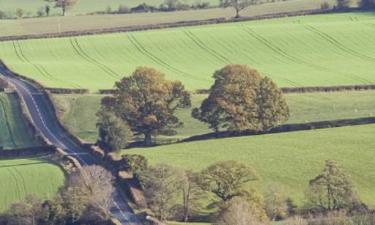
(23,177)
(72,23)
(78,111)
(14,132)
(335,49)
(289,159)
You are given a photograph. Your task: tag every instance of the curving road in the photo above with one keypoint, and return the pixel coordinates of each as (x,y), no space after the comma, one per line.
(47,124)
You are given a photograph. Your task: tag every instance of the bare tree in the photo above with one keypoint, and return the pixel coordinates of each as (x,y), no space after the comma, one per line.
(238,5)
(97,183)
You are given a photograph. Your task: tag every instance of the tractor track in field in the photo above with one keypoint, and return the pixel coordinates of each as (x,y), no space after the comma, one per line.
(338,44)
(79,50)
(156,59)
(20,55)
(294,59)
(22,180)
(204,47)
(3,105)
(16,181)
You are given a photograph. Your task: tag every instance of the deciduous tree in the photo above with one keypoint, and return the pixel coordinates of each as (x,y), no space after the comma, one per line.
(276,202)
(240,99)
(147,101)
(226,179)
(64,4)
(162,184)
(331,189)
(114,133)
(238,5)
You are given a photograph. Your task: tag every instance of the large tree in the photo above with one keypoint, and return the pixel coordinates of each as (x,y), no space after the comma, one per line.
(63,4)
(238,5)
(226,179)
(147,101)
(331,189)
(241,99)
(114,133)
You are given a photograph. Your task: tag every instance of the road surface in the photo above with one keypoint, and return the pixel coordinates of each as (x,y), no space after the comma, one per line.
(47,124)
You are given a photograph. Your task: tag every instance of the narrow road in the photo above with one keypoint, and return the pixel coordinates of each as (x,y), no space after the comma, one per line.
(47,124)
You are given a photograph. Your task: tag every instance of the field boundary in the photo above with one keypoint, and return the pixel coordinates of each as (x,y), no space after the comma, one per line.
(27,152)
(285,129)
(167,25)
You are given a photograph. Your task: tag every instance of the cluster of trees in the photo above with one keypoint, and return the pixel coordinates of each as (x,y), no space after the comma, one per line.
(86,199)
(364,4)
(177,194)
(145,103)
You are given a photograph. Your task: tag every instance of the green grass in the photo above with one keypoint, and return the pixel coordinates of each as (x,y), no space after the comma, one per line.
(14,132)
(288,159)
(78,111)
(23,177)
(335,49)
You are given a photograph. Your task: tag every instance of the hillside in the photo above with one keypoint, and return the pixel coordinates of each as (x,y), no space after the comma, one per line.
(288,159)
(322,50)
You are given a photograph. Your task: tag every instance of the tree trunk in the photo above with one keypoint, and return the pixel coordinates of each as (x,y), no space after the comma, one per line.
(148,139)
(237,13)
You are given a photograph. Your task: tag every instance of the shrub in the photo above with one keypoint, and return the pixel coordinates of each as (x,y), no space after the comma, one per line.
(123,9)
(325,6)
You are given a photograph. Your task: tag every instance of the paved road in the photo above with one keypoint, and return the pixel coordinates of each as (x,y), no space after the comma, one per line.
(43,116)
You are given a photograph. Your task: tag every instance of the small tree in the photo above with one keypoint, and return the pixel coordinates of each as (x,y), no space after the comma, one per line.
(240,99)
(161,184)
(226,179)
(64,4)
(19,13)
(238,5)
(114,133)
(238,211)
(137,163)
(331,189)
(276,202)
(47,9)
(147,101)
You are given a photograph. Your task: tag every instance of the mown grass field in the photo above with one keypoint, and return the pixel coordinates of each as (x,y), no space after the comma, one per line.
(14,132)
(73,23)
(334,49)
(78,111)
(288,159)
(23,177)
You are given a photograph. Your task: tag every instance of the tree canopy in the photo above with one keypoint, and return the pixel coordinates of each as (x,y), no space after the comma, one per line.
(63,4)
(147,101)
(331,189)
(238,5)
(241,99)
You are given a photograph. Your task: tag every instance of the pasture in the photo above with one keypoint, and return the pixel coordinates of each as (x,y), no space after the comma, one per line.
(23,177)
(78,111)
(288,159)
(320,50)
(57,24)
(14,132)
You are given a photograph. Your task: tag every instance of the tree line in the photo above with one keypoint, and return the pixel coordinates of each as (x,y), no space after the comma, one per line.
(145,104)
(227,190)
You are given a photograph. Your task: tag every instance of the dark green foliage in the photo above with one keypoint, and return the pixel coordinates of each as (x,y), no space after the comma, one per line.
(241,99)
(331,189)
(137,163)
(114,133)
(367,4)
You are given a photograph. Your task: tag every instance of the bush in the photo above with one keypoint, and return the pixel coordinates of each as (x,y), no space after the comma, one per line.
(40,12)
(3,15)
(325,6)
(123,9)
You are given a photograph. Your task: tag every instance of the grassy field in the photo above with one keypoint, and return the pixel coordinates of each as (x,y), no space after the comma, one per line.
(78,111)
(288,159)
(335,49)
(13,130)
(23,177)
(72,23)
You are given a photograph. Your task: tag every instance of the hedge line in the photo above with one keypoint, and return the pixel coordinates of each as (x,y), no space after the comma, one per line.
(163,25)
(285,128)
